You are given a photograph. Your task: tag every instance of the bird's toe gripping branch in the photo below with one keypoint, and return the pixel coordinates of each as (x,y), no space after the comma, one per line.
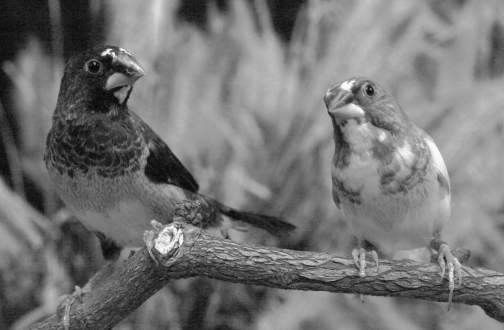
(65,303)
(188,211)
(359,257)
(451,263)
(454,267)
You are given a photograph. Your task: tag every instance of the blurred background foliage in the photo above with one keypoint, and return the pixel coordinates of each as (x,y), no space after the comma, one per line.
(235,88)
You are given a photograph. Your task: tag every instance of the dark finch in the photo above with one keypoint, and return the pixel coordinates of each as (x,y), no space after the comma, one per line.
(111,169)
(388,175)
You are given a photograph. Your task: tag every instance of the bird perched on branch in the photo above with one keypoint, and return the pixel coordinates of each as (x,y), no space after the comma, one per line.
(111,169)
(388,176)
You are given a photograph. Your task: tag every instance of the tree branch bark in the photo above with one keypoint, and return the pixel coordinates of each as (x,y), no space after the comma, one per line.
(183,250)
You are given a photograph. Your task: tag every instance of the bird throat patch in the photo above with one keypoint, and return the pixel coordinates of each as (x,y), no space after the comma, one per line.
(122,93)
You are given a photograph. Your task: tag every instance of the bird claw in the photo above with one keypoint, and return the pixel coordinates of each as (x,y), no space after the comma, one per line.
(454,267)
(359,257)
(374,255)
(65,303)
(360,261)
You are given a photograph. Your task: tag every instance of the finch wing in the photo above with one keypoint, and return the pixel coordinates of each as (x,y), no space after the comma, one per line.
(336,199)
(442,172)
(404,163)
(162,164)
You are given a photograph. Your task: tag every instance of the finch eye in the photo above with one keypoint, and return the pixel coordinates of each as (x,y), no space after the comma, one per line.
(369,90)
(93,66)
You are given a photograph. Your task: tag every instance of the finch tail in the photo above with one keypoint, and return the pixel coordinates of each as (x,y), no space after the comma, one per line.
(273,225)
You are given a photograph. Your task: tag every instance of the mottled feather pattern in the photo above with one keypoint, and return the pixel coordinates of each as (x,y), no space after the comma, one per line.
(381,190)
(347,193)
(76,148)
(388,176)
(400,172)
(384,139)
(93,175)
(401,164)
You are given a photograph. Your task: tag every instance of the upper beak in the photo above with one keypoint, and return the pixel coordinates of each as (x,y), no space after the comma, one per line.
(127,71)
(339,104)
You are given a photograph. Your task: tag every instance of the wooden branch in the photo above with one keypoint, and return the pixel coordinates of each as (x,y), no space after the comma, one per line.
(186,251)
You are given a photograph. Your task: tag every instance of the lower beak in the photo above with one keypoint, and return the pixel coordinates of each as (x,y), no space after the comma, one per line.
(339,104)
(127,71)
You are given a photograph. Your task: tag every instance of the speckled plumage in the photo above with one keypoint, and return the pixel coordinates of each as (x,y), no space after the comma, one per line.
(388,177)
(395,194)
(109,167)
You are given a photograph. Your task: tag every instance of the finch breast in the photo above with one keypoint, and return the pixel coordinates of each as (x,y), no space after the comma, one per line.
(119,207)
(392,222)
(119,201)
(393,213)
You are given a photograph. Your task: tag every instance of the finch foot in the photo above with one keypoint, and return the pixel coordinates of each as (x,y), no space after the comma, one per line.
(65,303)
(359,257)
(190,211)
(454,268)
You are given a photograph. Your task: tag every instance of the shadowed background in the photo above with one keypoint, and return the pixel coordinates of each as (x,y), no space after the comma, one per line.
(235,88)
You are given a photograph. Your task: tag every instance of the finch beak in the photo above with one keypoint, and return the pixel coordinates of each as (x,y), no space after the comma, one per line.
(127,71)
(339,105)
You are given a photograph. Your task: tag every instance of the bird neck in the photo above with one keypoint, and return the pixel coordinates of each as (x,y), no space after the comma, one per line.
(339,141)
(73,106)
(361,137)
